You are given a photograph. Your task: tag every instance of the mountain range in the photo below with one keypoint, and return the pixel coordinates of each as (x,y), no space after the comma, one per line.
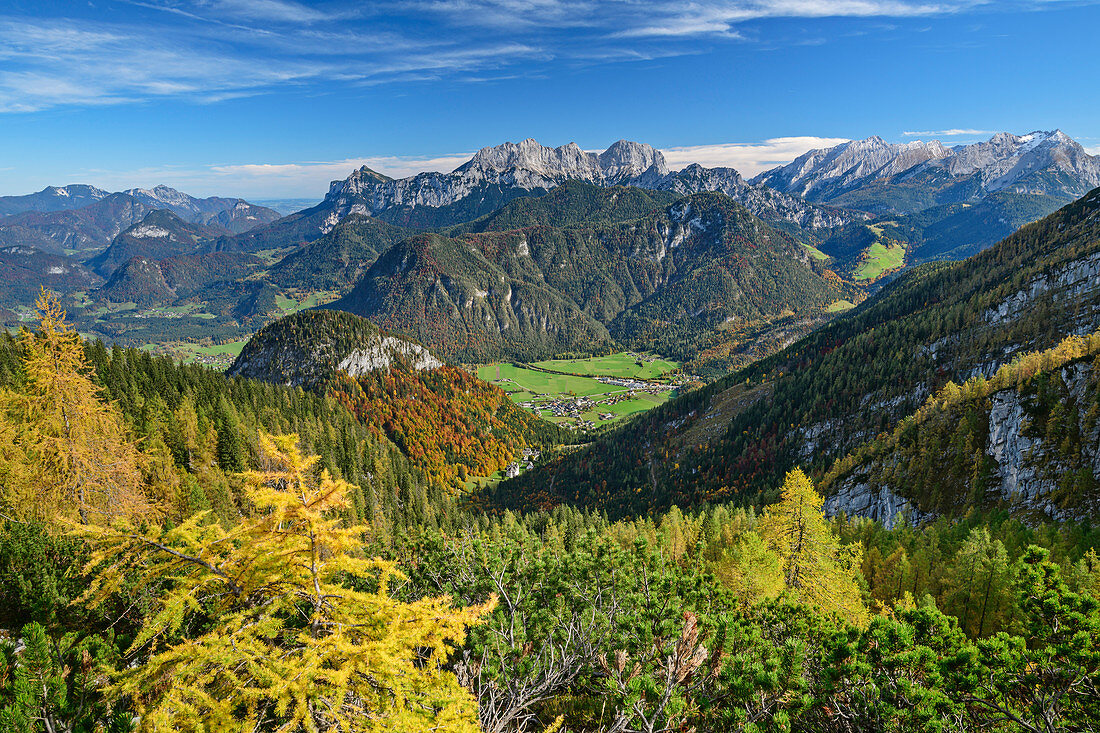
(602,270)
(903,178)
(496,175)
(82,219)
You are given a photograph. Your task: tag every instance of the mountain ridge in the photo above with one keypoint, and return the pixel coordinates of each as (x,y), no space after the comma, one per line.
(1040,162)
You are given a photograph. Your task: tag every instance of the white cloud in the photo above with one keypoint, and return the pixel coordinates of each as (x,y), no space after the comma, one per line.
(315,172)
(256,180)
(748,158)
(1093,150)
(953,132)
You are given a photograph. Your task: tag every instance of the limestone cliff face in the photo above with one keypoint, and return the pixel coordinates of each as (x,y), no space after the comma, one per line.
(861,498)
(1042,450)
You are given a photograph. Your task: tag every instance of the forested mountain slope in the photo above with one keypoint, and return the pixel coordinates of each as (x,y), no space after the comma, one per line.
(697,265)
(571,203)
(339,258)
(849,381)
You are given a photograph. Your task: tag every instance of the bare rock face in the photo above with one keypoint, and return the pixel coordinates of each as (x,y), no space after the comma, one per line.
(381,355)
(849,164)
(862,499)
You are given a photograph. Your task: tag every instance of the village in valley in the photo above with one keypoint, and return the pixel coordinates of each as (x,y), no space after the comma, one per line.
(587,394)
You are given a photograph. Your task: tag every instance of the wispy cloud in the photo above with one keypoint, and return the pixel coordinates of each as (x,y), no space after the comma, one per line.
(748,158)
(952,132)
(274,10)
(213,50)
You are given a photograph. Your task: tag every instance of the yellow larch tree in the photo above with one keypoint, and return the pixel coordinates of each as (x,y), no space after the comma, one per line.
(73,443)
(299,631)
(817,569)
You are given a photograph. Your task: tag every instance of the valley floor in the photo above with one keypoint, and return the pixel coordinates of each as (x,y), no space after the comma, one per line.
(585,394)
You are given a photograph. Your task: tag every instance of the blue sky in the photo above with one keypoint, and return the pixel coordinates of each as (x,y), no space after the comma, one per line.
(274,98)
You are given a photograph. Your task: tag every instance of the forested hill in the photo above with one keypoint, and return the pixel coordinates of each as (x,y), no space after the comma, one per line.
(310,348)
(849,381)
(450,424)
(663,281)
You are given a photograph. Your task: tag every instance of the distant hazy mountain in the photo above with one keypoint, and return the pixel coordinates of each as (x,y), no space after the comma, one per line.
(53,198)
(158,235)
(230,215)
(24,271)
(884,177)
(82,218)
(81,231)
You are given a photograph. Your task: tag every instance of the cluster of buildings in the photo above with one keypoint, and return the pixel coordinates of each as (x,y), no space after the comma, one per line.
(526,462)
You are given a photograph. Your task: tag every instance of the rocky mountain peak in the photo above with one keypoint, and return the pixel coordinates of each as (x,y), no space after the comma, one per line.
(567,161)
(626,159)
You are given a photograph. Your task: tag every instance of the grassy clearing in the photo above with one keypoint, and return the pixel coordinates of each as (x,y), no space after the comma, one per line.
(816,253)
(624,364)
(840,306)
(541,383)
(473,483)
(289,304)
(879,259)
(217,355)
